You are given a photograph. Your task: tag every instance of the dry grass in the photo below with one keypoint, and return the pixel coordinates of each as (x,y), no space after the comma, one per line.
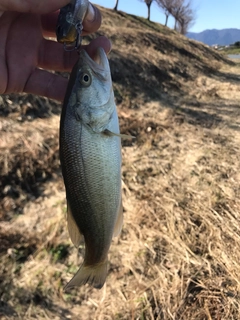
(178,256)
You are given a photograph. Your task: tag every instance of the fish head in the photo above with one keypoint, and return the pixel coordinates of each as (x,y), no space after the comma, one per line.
(94,78)
(91,90)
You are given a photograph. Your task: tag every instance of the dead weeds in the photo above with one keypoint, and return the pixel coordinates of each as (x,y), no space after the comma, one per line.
(178,256)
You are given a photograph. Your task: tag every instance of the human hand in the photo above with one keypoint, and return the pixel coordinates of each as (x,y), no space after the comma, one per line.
(25,54)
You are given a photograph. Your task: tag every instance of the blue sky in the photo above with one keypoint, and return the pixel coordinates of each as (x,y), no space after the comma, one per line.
(210,14)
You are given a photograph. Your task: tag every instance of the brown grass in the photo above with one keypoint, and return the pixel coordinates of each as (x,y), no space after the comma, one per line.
(178,256)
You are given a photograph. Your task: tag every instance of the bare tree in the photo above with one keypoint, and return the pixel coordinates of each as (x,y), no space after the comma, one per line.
(116,5)
(176,11)
(184,16)
(182,12)
(167,6)
(148,3)
(184,23)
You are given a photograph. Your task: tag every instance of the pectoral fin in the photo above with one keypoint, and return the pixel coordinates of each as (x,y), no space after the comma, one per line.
(73,230)
(122,136)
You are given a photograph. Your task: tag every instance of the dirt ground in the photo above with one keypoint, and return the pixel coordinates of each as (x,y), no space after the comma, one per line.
(178,256)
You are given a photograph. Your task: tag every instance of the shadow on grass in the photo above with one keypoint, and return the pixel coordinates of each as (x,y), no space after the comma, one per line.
(25,302)
(15,250)
(6,310)
(28,106)
(212,116)
(26,174)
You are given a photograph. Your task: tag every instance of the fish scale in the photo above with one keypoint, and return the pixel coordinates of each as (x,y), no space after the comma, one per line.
(86,191)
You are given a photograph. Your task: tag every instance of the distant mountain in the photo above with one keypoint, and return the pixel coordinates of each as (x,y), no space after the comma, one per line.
(214,36)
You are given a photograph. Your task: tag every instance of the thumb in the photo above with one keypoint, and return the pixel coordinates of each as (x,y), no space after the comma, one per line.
(32,6)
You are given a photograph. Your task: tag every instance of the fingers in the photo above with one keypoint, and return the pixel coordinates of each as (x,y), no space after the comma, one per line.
(91,22)
(52,56)
(49,22)
(102,41)
(32,6)
(46,84)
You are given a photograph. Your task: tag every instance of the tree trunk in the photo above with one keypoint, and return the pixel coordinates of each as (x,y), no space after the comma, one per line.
(166,21)
(116,6)
(175,25)
(148,5)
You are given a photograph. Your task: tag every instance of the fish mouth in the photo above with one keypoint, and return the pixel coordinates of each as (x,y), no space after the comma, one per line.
(99,61)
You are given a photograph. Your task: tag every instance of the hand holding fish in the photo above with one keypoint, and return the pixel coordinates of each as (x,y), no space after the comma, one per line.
(26,54)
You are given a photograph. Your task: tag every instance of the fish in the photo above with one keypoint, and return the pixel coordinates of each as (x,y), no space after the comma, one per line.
(69,24)
(90,156)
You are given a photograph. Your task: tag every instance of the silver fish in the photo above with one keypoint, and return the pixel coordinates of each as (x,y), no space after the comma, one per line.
(90,154)
(69,25)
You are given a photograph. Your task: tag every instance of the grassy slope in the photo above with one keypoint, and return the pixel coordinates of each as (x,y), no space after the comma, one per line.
(231,50)
(178,256)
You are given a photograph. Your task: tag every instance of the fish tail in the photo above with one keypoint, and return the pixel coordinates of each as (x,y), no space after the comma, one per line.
(94,275)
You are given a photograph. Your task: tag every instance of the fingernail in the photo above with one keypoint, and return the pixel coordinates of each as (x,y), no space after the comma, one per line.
(90,13)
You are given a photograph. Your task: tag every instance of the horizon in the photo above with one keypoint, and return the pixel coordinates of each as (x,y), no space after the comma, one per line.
(209,15)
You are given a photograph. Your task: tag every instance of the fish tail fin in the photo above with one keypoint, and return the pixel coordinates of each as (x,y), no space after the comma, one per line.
(94,275)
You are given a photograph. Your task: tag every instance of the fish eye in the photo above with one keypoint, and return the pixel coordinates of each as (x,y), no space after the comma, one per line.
(85,79)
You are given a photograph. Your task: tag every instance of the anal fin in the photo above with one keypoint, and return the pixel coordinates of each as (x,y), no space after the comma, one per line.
(119,221)
(73,229)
